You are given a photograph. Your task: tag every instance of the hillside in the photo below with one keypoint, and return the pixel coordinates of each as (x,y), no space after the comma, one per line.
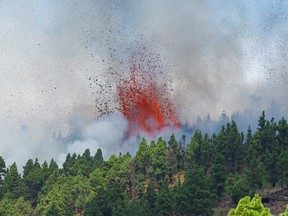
(275,199)
(208,173)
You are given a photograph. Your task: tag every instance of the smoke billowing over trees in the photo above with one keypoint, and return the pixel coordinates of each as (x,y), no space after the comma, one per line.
(173,177)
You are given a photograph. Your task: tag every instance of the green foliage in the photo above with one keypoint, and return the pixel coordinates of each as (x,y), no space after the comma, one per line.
(33,178)
(142,158)
(102,200)
(13,185)
(219,176)
(211,166)
(174,157)
(252,207)
(150,197)
(159,162)
(138,207)
(6,207)
(255,172)
(92,208)
(53,211)
(282,162)
(72,191)
(285,213)
(50,181)
(163,203)
(85,163)
(2,169)
(97,180)
(197,198)
(117,200)
(181,202)
(116,169)
(20,207)
(237,187)
(282,165)
(57,199)
(140,184)
(2,175)
(98,158)
(194,153)
(53,167)
(69,164)
(234,147)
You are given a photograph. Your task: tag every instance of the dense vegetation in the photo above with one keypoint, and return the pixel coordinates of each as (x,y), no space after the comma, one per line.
(152,182)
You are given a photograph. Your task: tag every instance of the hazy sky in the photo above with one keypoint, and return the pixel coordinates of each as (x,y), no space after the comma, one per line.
(221,55)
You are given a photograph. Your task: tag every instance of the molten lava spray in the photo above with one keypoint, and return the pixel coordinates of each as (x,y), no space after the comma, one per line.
(145,103)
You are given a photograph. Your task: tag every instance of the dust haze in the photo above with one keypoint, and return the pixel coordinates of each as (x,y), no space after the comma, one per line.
(61,60)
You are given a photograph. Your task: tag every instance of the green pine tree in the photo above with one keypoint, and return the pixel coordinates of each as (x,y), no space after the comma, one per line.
(92,208)
(13,185)
(219,176)
(252,207)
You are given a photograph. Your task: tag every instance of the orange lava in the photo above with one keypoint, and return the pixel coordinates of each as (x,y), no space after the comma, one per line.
(145,104)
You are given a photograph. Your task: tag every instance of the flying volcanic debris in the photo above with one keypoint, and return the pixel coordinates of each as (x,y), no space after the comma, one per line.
(145,104)
(141,91)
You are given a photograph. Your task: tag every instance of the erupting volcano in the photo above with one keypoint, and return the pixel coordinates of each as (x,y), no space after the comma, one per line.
(145,103)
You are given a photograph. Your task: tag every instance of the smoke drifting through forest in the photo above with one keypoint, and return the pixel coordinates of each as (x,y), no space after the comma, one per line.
(215,55)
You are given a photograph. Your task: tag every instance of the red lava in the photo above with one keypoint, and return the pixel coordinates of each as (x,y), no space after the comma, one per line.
(145,103)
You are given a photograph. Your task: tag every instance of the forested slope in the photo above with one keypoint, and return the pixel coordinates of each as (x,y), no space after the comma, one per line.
(227,164)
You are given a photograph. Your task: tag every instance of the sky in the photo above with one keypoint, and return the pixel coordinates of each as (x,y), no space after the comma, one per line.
(220,55)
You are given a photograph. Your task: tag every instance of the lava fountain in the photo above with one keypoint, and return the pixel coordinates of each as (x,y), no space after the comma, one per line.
(145,103)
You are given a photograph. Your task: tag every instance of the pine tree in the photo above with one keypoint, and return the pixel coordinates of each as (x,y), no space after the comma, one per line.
(181,201)
(69,167)
(92,208)
(117,200)
(163,203)
(194,150)
(252,207)
(7,207)
(13,185)
(53,211)
(142,158)
(238,187)
(2,175)
(22,208)
(45,171)
(218,176)
(53,166)
(98,158)
(33,178)
(159,162)
(197,188)
(151,169)
(233,147)
(283,167)
(255,172)
(207,154)
(282,162)
(137,207)
(84,163)
(150,197)
(173,157)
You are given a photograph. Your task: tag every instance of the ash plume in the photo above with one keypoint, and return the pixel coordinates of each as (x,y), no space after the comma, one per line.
(62,61)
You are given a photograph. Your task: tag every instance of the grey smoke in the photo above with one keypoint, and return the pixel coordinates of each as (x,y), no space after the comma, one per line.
(221,56)
(107,134)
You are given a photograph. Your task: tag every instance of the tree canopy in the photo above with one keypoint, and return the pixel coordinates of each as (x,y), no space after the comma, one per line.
(164,177)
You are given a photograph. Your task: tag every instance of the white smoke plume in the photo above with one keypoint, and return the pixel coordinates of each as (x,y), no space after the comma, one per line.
(58,56)
(107,134)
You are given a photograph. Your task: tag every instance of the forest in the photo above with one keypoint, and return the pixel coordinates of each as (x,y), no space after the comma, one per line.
(173,177)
